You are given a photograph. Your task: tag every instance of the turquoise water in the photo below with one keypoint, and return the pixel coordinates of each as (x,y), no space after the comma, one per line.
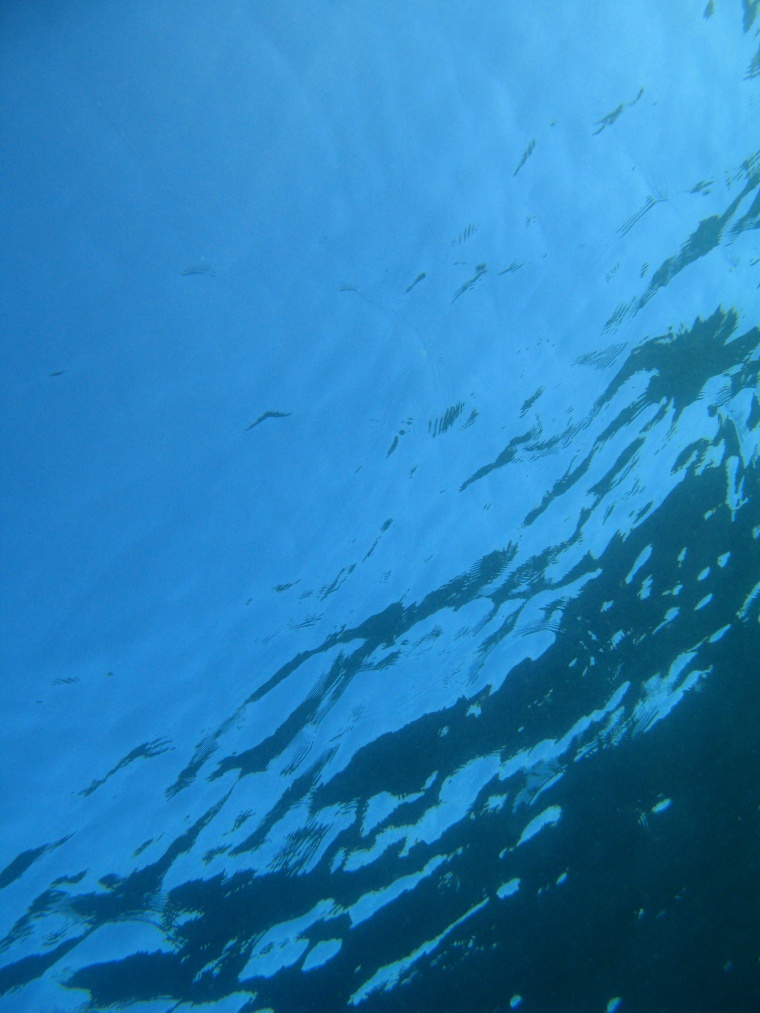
(380,540)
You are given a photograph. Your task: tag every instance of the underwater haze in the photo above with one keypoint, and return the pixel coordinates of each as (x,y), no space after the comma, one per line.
(380,513)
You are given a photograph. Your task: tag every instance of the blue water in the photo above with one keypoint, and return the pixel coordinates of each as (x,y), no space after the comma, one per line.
(380,531)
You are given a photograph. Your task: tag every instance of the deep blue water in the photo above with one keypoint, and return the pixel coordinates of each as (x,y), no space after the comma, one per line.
(380,526)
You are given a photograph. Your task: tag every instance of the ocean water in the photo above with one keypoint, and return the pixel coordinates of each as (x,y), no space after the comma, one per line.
(380,526)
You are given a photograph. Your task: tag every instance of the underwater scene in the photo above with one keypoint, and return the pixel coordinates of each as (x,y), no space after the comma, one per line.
(380,507)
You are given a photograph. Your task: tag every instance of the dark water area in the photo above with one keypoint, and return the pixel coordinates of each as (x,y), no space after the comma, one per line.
(381,542)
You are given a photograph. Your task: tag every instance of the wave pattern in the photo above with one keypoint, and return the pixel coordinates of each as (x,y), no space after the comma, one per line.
(414,803)
(407,755)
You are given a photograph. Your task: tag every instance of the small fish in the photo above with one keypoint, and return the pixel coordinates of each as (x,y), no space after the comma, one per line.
(202,267)
(267,415)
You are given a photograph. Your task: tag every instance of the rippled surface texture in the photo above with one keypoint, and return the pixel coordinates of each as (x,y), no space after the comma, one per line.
(381,568)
